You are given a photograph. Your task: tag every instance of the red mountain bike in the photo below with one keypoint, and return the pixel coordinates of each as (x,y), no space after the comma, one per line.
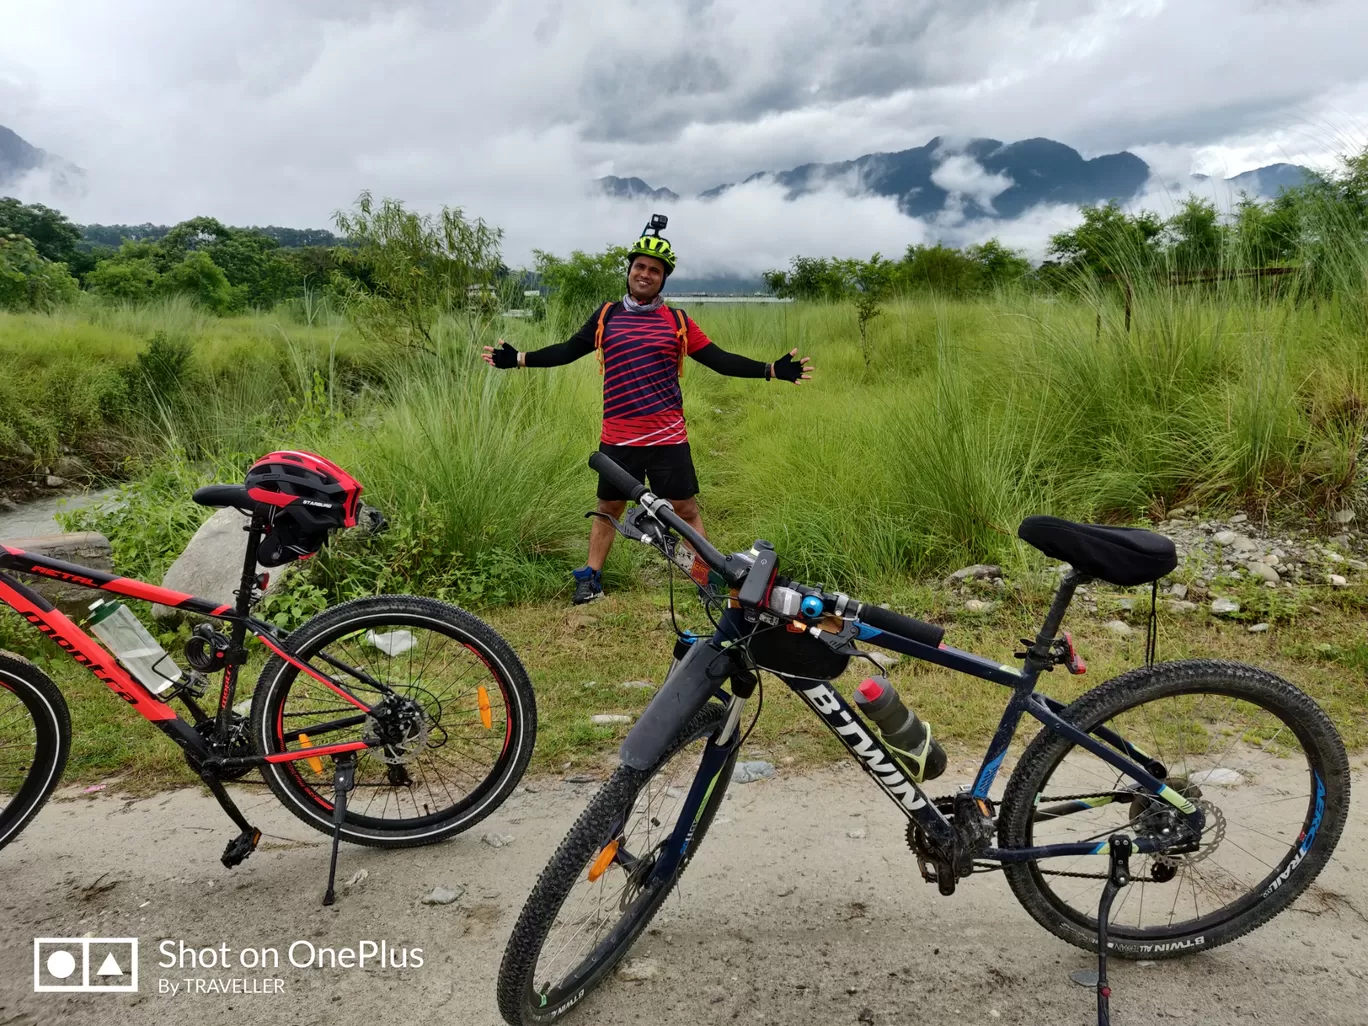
(389,721)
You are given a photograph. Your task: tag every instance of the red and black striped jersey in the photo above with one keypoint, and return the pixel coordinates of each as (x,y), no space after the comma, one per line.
(642,401)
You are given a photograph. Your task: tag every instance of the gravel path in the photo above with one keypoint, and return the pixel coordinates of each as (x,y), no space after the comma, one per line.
(804,907)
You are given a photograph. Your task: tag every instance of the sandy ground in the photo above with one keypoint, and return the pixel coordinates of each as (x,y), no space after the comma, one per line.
(784,918)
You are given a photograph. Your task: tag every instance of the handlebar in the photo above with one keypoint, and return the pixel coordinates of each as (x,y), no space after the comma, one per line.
(884,619)
(734,570)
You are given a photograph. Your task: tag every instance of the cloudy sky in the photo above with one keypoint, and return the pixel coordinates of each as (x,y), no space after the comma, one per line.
(281,111)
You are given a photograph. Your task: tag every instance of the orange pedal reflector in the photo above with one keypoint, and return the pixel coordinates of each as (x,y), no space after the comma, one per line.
(604,860)
(315,763)
(486,716)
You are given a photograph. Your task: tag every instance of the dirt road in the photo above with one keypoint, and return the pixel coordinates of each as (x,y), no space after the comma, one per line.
(804,907)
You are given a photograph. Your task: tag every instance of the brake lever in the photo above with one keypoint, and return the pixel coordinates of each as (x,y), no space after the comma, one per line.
(631,533)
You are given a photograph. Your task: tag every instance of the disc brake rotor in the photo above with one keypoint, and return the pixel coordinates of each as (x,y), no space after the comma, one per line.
(400,730)
(1212,835)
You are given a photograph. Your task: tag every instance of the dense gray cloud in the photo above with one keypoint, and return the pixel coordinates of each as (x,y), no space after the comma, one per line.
(280,111)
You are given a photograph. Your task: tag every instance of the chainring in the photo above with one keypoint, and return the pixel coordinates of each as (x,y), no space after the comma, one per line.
(239,743)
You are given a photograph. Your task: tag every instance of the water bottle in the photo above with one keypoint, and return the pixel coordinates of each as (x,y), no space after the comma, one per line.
(908,737)
(134,647)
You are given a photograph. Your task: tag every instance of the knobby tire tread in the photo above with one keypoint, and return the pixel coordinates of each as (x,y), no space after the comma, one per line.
(277,673)
(574,853)
(48,709)
(1315,732)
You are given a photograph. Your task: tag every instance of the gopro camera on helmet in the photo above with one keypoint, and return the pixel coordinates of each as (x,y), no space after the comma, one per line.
(656,226)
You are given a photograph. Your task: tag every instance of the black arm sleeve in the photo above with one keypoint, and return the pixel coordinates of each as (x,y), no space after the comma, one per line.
(731,364)
(581,343)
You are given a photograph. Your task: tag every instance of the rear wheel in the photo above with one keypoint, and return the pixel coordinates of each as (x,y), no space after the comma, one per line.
(453,711)
(1257,756)
(597,894)
(35,737)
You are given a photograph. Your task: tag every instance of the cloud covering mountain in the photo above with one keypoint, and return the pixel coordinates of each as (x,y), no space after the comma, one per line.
(257,111)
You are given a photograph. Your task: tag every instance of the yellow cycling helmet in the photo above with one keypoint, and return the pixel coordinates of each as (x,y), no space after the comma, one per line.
(651,244)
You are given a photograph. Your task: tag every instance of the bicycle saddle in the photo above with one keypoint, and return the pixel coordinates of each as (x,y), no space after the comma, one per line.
(1123,556)
(224,495)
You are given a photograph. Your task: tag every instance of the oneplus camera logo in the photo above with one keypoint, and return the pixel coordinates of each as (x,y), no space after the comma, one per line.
(85,965)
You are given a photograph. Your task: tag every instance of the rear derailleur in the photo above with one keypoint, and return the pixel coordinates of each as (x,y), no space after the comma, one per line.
(975,826)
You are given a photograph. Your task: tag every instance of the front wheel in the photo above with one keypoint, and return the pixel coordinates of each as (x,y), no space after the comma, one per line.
(599,890)
(35,736)
(1260,759)
(452,719)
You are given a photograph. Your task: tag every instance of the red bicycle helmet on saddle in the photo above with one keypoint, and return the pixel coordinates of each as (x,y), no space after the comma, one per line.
(312,497)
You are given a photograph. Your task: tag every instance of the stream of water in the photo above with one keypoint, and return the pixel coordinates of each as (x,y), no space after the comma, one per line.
(38,517)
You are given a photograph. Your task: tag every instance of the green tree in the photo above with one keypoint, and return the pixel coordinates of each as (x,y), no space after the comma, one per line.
(198,276)
(871,282)
(1194,237)
(53,236)
(416,267)
(28,281)
(1110,241)
(938,268)
(998,265)
(810,278)
(582,281)
(130,274)
(253,263)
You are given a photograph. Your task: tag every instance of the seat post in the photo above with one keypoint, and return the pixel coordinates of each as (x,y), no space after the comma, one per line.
(1038,656)
(254,530)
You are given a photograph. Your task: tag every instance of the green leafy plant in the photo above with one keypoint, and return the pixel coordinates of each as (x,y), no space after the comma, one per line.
(408,269)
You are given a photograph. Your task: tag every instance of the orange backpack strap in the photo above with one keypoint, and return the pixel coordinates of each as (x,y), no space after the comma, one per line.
(682,333)
(598,335)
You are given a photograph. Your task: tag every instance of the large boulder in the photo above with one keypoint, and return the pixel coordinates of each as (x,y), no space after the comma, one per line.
(84,548)
(211,565)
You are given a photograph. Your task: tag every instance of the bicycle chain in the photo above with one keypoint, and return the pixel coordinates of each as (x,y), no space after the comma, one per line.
(991,867)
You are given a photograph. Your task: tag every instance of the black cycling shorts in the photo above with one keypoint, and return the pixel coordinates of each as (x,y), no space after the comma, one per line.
(667,469)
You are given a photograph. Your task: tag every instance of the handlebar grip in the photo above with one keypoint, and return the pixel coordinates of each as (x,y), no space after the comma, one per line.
(904,626)
(616,476)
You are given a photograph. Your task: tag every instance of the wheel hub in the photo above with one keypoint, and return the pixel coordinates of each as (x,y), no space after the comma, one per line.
(399,727)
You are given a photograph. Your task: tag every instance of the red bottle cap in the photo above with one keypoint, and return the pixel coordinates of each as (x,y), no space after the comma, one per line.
(870,689)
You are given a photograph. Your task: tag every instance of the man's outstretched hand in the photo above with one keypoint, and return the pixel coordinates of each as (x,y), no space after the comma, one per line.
(504,358)
(786,368)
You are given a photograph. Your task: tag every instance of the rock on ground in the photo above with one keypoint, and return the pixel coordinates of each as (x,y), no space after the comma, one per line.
(211,565)
(977,572)
(745,772)
(85,548)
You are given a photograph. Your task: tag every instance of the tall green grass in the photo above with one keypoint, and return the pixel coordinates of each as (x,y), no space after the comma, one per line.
(968,416)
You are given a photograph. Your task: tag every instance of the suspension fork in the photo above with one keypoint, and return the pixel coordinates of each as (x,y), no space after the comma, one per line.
(719,757)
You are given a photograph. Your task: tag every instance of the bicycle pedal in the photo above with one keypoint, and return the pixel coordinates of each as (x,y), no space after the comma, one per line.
(240,847)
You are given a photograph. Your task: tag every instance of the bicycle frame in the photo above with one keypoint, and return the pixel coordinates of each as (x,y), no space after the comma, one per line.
(875,759)
(207,754)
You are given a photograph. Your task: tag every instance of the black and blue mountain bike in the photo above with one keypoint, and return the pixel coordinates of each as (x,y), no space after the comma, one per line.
(1209,794)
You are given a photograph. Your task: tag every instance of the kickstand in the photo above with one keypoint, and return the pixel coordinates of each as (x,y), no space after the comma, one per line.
(344,779)
(1118,875)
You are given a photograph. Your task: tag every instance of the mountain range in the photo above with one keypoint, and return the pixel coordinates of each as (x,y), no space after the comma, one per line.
(977,178)
(18,158)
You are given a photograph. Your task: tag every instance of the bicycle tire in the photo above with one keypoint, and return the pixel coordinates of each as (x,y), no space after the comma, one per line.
(1285,880)
(519,1002)
(339,622)
(47,709)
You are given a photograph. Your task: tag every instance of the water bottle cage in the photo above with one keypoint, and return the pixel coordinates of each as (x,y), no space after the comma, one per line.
(1061,652)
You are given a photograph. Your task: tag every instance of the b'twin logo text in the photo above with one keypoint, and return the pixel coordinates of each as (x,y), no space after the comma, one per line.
(1158,949)
(890,778)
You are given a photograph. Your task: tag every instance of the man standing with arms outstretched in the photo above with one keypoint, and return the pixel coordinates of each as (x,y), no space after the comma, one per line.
(641,344)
